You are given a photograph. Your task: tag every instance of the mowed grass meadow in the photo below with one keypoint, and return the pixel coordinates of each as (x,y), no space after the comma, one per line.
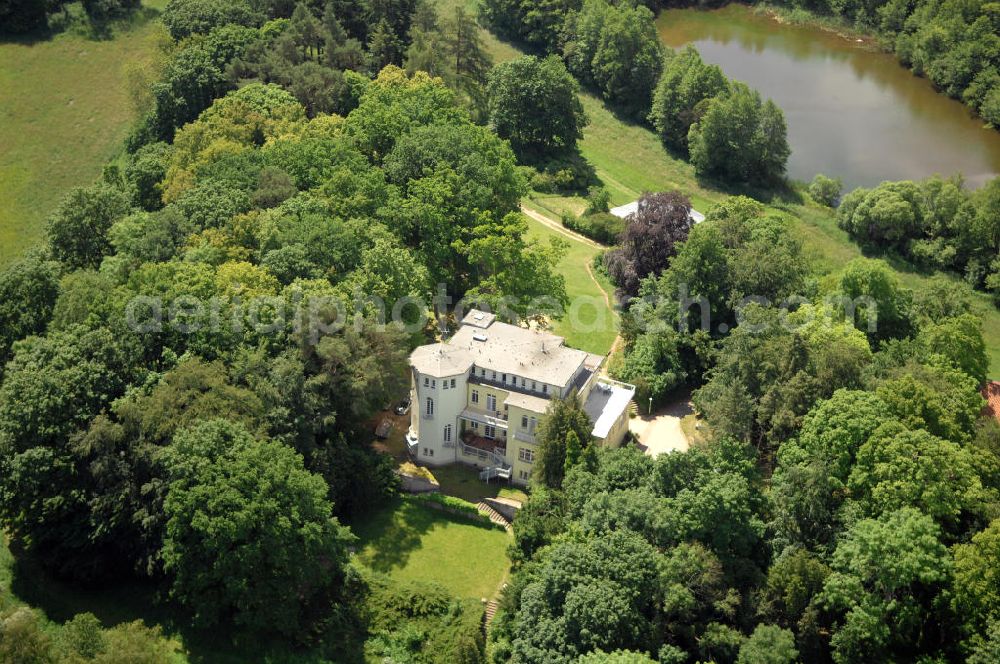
(412,542)
(64,112)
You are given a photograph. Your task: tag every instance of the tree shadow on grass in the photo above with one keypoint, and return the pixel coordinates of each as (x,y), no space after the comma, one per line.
(394,532)
(125,598)
(398,530)
(73,20)
(777,194)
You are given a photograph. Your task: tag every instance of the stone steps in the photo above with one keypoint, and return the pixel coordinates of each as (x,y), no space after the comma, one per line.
(491,611)
(494,516)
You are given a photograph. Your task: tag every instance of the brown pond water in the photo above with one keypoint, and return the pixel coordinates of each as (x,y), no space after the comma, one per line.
(851,112)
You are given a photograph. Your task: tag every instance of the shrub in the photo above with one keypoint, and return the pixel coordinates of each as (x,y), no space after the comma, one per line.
(601,227)
(825,190)
(598,200)
(567,173)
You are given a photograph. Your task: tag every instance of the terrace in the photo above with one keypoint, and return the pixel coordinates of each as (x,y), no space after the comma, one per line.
(491,451)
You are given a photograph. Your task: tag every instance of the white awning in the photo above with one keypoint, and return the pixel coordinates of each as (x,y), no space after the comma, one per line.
(623,211)
(606,403)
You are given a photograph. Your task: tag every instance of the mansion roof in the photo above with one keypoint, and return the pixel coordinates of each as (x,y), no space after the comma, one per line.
(483,342)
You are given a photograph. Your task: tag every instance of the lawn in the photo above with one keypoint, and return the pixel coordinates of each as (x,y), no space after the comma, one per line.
(64,112)
(590,324)
(410,542)
(463,482)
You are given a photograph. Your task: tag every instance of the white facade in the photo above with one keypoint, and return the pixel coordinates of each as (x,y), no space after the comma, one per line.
(436,402)
(478,398)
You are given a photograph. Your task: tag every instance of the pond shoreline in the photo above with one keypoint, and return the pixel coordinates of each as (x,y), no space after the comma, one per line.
(853,111)
(838,26)
(831,24)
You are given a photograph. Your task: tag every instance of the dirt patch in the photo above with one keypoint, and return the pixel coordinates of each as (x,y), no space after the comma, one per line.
(662,431)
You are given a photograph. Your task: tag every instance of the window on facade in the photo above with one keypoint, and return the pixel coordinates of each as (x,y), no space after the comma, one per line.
(452,383)
(475,425)
(504,378)
(522,382)
(534,386)
(534,423)
(447,433)
(428,452)
(475,396)
(490,431)
(545,389)
(491,402)
(494,375)
(482,372)
(427,381)
(524,475)
(524,421)
(445,385)
(430,407)
(526,455)
(434,382)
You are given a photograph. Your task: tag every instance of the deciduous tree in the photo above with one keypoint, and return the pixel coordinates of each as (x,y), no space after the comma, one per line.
(249,534)
(661,221)
(740,139)
(533,103)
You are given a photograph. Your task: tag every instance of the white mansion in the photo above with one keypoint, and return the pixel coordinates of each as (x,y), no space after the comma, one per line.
(478,397)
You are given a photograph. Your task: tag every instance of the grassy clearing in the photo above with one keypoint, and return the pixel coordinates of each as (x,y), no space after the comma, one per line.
(630,160)
(64,111)
(410,542)
(592,325)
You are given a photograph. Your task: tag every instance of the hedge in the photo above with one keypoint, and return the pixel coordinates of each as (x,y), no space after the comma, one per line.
(452,505)
(601,227)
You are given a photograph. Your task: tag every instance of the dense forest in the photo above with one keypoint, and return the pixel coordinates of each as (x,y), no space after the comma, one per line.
(190,363)
(841,506)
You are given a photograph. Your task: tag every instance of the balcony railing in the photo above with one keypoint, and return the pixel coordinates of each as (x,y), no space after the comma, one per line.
(497,418)
(486,455)
(605,382)
(524,436)
(492,472)
(510,387)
